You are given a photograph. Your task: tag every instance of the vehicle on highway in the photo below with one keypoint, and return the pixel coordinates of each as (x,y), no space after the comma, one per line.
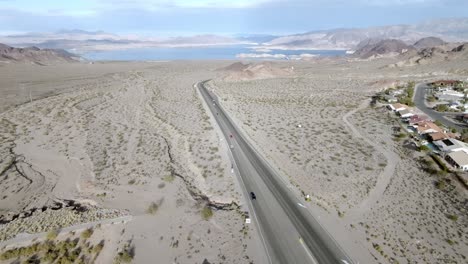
(253,196)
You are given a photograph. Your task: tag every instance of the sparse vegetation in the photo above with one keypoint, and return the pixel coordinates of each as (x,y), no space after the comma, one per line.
(126,255)
(52,234)
(65,251)
(87,233)
(206,213)
(152,208)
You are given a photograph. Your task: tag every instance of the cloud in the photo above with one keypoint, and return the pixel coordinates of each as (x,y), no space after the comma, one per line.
(169,18)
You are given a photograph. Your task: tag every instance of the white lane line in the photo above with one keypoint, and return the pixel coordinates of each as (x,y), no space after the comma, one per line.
(301,205)
(307,250)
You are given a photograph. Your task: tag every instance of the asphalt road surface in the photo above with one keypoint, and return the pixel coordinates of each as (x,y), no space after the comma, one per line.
(419,102)
(288,231)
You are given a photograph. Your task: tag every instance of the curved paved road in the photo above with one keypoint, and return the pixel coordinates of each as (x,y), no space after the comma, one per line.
(420,103)
(289,232)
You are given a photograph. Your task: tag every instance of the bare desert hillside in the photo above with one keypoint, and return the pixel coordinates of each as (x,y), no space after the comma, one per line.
(35,55)
(254,71)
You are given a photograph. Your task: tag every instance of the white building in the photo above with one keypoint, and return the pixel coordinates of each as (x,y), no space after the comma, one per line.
(405,113)
(450,145)
(397,107)
(458,159)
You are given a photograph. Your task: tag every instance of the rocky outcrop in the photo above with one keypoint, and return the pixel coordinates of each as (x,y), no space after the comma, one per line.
(383,48)
(428,42)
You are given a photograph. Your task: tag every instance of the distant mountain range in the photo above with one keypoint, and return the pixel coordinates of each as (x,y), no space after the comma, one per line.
(80,41)
(348,38)
(35,55)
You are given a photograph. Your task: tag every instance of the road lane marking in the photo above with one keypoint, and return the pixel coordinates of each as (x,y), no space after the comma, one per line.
(301,241)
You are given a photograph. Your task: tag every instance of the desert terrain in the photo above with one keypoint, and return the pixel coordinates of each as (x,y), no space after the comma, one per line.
(320,130)
(127,147)
(122,160)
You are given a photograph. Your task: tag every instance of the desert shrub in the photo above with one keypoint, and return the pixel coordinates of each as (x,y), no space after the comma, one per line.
(124,257)
(132,181)
(400,135)
(442,108)
(440,184)
(206,213)
(452,217)
(169,178)
(87,233)
(97,248)
(52,234)
(440,163)
(152,208)
(424,148)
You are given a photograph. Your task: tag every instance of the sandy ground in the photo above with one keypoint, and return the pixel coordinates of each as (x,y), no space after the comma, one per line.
(124,138)
(320,131)
(134,139)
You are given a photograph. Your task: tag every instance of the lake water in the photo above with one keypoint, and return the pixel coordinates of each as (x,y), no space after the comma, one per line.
(199,53)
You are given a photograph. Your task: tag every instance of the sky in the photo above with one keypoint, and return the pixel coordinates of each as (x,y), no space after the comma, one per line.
(225,17)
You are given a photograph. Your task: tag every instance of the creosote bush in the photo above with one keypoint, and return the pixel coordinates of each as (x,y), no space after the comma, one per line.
(206,213)
(52,234)
(87,233)
(152,208)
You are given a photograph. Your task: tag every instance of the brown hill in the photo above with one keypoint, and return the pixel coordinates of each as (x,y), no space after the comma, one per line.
(428,42)
(382,48)
(35,55)
(252,71)
(237,66)
(445,52)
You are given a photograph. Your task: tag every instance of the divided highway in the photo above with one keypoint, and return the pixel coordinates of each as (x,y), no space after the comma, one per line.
(289,232)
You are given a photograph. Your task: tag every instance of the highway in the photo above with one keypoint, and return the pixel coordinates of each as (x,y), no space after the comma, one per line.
(420,103)
(289,232)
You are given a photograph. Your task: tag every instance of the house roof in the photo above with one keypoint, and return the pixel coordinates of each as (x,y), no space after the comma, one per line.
(460,157)
(398,106)
(445,82)
(404,112)
(427,125)
(450,144)
(440,135)
(417,118)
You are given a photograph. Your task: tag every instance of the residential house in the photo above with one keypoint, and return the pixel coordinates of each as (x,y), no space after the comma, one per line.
(405,113)
(397,107)
(427,127)
(390,98)
(465,118)
(441,135)
(445,83)
(417,119)
(450,145)
(449,96)
(458,159)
